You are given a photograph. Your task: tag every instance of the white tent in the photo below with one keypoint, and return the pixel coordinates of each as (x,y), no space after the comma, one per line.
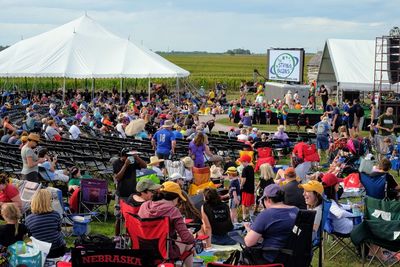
(349,65)
(84,49)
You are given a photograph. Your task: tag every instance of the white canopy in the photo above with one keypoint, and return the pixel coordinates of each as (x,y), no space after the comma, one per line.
(84,49)
(349,64)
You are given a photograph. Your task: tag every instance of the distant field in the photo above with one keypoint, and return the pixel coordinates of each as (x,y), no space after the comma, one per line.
(205,69)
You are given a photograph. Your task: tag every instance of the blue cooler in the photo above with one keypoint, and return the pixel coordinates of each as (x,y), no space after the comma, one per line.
(81,225)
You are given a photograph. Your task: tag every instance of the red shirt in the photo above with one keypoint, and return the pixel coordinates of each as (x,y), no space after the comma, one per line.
(299,148)
(9,192)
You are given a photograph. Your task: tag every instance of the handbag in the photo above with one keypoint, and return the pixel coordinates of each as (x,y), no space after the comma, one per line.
(22,254)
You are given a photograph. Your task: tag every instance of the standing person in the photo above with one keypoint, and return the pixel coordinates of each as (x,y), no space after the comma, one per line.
(30,160)
(351,117)
(234,192)
(311,96)
(289,99)
(322,130)
(124,170)
(386,122)
(336,118)
(323,92)
(359,115)
(374,119)
(216,219)
(247,186)
(285,114)
(197,149)
(163,141)
(44,223)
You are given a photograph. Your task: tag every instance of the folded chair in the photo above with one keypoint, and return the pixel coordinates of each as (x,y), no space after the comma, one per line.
(381,227)
(201,180)
(28,189)
(93,196)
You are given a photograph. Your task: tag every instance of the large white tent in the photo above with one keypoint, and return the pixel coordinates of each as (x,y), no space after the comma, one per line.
(349,65)
(84,49)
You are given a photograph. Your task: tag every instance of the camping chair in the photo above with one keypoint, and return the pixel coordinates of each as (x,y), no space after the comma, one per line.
(94,195)
(380,228)
(27,190)
(318,242)
(342,241)
(201,180)
(298,249)
(375,186)
(125,211)
(152,234)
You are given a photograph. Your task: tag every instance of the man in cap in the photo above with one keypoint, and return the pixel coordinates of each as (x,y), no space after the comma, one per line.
(164,141)
(293,194)
(145,189)
(124,169)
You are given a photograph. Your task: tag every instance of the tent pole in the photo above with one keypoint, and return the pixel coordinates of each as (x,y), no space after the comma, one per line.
(64,90)
(92,89)
(148,100)
(120,91)
(177,88)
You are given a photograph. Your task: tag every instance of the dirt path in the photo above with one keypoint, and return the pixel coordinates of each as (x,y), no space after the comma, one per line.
(218,126)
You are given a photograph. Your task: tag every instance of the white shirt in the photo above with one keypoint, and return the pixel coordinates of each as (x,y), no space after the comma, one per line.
(242,137)
(121,131)
(75,132)
(340,220)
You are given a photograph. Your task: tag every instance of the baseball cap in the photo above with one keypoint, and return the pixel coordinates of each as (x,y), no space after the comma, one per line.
(245,158)
(172,187)
(255,129)
(290,172)
(271,191)
(329,179)
(313,185)
(146,184)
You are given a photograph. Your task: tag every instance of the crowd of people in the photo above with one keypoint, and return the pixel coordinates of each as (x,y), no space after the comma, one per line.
(269,196)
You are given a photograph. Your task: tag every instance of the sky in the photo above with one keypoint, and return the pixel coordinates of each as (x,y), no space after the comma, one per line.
(208,25)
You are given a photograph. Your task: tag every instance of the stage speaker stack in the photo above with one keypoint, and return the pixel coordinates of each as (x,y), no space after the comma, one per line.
(394,59)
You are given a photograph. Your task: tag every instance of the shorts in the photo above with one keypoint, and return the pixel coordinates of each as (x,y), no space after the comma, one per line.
(232,204)
(248,199)
(284,117)
(322,142)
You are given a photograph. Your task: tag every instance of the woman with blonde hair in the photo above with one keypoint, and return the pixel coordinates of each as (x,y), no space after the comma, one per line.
(45,224)
(267,176)
(12,231)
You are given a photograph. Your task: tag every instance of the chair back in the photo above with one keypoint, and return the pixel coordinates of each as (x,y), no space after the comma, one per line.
(94,191)
(149,234)
(127,209)
(300,241)
(201,175)
(375,186)
(28,190)
(56,200)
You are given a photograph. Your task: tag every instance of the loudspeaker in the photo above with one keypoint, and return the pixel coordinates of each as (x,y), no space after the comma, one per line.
(393,59)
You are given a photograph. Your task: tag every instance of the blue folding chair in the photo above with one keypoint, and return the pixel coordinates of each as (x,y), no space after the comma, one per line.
(375,186)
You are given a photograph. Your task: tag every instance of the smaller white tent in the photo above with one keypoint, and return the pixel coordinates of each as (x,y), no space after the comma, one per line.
(84,49)
(349,65)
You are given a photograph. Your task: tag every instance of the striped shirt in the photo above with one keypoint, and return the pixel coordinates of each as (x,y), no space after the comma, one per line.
(46,227)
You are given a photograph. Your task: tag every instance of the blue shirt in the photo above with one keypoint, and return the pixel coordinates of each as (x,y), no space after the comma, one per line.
(234,185)
(177,134)
(275,226)
(164,140)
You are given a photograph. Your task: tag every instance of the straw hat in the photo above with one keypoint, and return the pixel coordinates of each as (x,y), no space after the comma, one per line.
(134,127)
(188,162)
(34,137)
(168,124)
(154,160)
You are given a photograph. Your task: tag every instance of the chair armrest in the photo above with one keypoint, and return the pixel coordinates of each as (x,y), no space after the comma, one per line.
(237,237)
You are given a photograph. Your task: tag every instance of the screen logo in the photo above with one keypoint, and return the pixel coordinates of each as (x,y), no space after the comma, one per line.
(284,65)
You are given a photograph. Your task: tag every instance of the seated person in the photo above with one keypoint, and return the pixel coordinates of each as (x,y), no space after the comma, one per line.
(393,188)
(293,194)
(272,227)
(342,219)
(12,231)
(280,134)
(75,181)
(313,191)
(216,219)
(45,224)
(145,189)
(8,192)
(177,178)
(50,173)
(155,166)
(188,209)
(188,163)
(164,204)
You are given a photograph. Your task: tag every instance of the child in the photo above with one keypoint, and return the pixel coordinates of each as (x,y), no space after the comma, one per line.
(268,114)
(234,192)
(247,186)
(390,147)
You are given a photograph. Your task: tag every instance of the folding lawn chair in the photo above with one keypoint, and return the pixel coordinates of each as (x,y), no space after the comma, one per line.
(27,191)
(381,228)
(340,241)
(93,196)
(375,186)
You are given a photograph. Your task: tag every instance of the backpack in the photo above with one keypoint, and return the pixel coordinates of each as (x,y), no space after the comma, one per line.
(359,111)
(94,241)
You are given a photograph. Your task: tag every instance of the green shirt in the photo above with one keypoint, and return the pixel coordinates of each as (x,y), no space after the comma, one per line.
(386,121)
(74,181)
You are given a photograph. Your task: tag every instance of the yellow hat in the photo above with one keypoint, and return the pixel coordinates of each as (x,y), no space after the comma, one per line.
(172,187)
(231,170)
(313,186)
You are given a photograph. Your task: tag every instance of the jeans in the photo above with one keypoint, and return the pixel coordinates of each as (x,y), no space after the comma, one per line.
(222,240)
